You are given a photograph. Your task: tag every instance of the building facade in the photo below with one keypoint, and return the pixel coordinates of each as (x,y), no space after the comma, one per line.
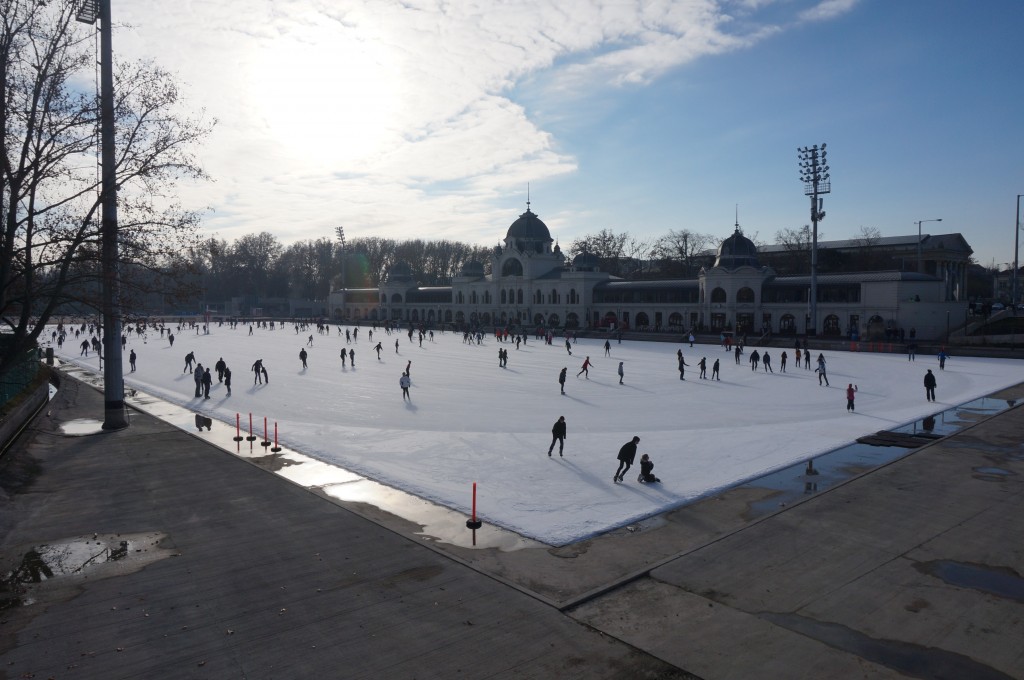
(531,285)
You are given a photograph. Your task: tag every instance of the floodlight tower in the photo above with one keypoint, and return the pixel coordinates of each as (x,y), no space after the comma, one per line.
(340,233)
(815,176)
(1016,256)
(113,372)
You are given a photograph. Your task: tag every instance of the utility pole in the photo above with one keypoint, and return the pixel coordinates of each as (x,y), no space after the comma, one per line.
(340,233)
(814,173)
(113,372)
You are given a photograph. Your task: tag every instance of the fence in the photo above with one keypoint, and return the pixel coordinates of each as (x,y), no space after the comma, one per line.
(21,375)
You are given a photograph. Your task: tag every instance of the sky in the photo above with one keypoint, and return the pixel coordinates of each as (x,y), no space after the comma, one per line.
(428,119)
(470,420)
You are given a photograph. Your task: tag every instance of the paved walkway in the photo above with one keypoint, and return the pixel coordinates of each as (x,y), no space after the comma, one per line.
(226,570)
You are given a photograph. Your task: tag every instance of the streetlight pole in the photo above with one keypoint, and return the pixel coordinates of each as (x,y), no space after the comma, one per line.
(920,262)
(1016,254)
(113,372)
(814,173)
(340,233)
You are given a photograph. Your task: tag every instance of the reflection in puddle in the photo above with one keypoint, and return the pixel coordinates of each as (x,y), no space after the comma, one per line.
(44,566)
(999,581)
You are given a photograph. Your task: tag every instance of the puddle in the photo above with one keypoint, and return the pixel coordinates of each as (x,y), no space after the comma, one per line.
(999,581)
(909,659)
(81,427)
(42,572)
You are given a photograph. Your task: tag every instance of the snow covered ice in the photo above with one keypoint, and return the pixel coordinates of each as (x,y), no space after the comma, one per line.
(470,420)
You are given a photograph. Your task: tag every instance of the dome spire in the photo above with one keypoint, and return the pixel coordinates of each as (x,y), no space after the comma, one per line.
(527,197)
(737,225)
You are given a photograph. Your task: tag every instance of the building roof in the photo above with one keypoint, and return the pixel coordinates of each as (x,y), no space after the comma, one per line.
(529,226)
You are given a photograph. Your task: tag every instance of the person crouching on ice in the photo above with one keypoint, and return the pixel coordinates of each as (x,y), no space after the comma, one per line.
(647,470)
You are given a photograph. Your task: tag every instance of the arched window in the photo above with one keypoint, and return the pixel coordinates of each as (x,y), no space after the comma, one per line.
(383,299)
(718,296)
(572,320)
(519,296)
(831,325)
(460,298)
(787,324)
(396,299)
(448,316)
(572,296)
(512,267)
(472,298)
(675,320)
(503,296)
(745,295)
(460,317)
(485,318)
(553,320)
(642,321)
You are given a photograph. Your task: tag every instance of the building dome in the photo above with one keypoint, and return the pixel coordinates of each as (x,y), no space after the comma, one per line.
(737,251)
(399,273)
(528,227)
(586,261)
(473,268)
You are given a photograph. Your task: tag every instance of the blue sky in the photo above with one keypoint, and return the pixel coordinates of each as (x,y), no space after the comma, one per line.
(424,119)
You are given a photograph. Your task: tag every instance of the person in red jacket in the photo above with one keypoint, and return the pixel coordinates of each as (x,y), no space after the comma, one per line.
(851,390)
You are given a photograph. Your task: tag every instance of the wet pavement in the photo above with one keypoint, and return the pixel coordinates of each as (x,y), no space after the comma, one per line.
(870,562)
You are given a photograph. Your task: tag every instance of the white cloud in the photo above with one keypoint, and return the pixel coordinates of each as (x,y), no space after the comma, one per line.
(353,114)
(827,9)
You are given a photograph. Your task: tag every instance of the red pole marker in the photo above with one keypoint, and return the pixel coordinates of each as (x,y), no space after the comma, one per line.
(266,441)
(251,437)
(238,427)
(275,448)
(474,523)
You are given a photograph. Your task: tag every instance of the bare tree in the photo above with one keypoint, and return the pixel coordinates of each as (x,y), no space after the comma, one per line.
(49,187)
(866,242)
(679,251)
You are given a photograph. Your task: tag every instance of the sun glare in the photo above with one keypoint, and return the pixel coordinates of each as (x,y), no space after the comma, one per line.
(327,100)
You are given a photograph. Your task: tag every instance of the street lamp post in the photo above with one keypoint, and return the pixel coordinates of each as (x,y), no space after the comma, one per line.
(920,262)
(340,233)
(1016,254)
(814,173)
(113,372)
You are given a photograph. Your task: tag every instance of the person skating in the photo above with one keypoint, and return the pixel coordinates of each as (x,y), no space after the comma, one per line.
(607,348)
(302,357)
(198,377)
(131,360)
(266,378)
(929,385)
(352,358)
(408,368)
(807,359)
(561,379)
(755,358)
(622,372)
(738,351)
(377,348)
(257,371)
(782,362)
(557,435)
(227,379)
(627,454)
(219,367)
(404,382)
(851,392)
(189,359)
(568,346)
(766,360)
(703,365)
(691,339)
(647,470)
(682,365)
(714,371)
(585,369)
(207,382)
(942,359)
(822,375)
(396,345)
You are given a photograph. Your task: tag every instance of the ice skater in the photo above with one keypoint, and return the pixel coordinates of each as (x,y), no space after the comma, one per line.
(561,379)
(227,379)
(647,470)
(207,383)
(782,362)
(703,365)
(568,346)
(682,365)
(929,385)
(557,435)
(851,392)
(714,371)
(942,359)
(622,373)
(189,359)
(766,361)
(302,357)
(585,369)
(627,454)
(257,372)
(404,382)
(131,360)
(822,374)
(198,377)
(377,348)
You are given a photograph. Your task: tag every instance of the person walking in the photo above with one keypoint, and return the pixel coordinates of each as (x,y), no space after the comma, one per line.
(585,369)
(131,360)
(404,382)
(714,371)
(302,357)
(822,374)
(682,365)
(257,372)
(647,470)
(207,382)
(561,379)
(622,372)
(851,391)
(627,454)
(557,435)
(929,385)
